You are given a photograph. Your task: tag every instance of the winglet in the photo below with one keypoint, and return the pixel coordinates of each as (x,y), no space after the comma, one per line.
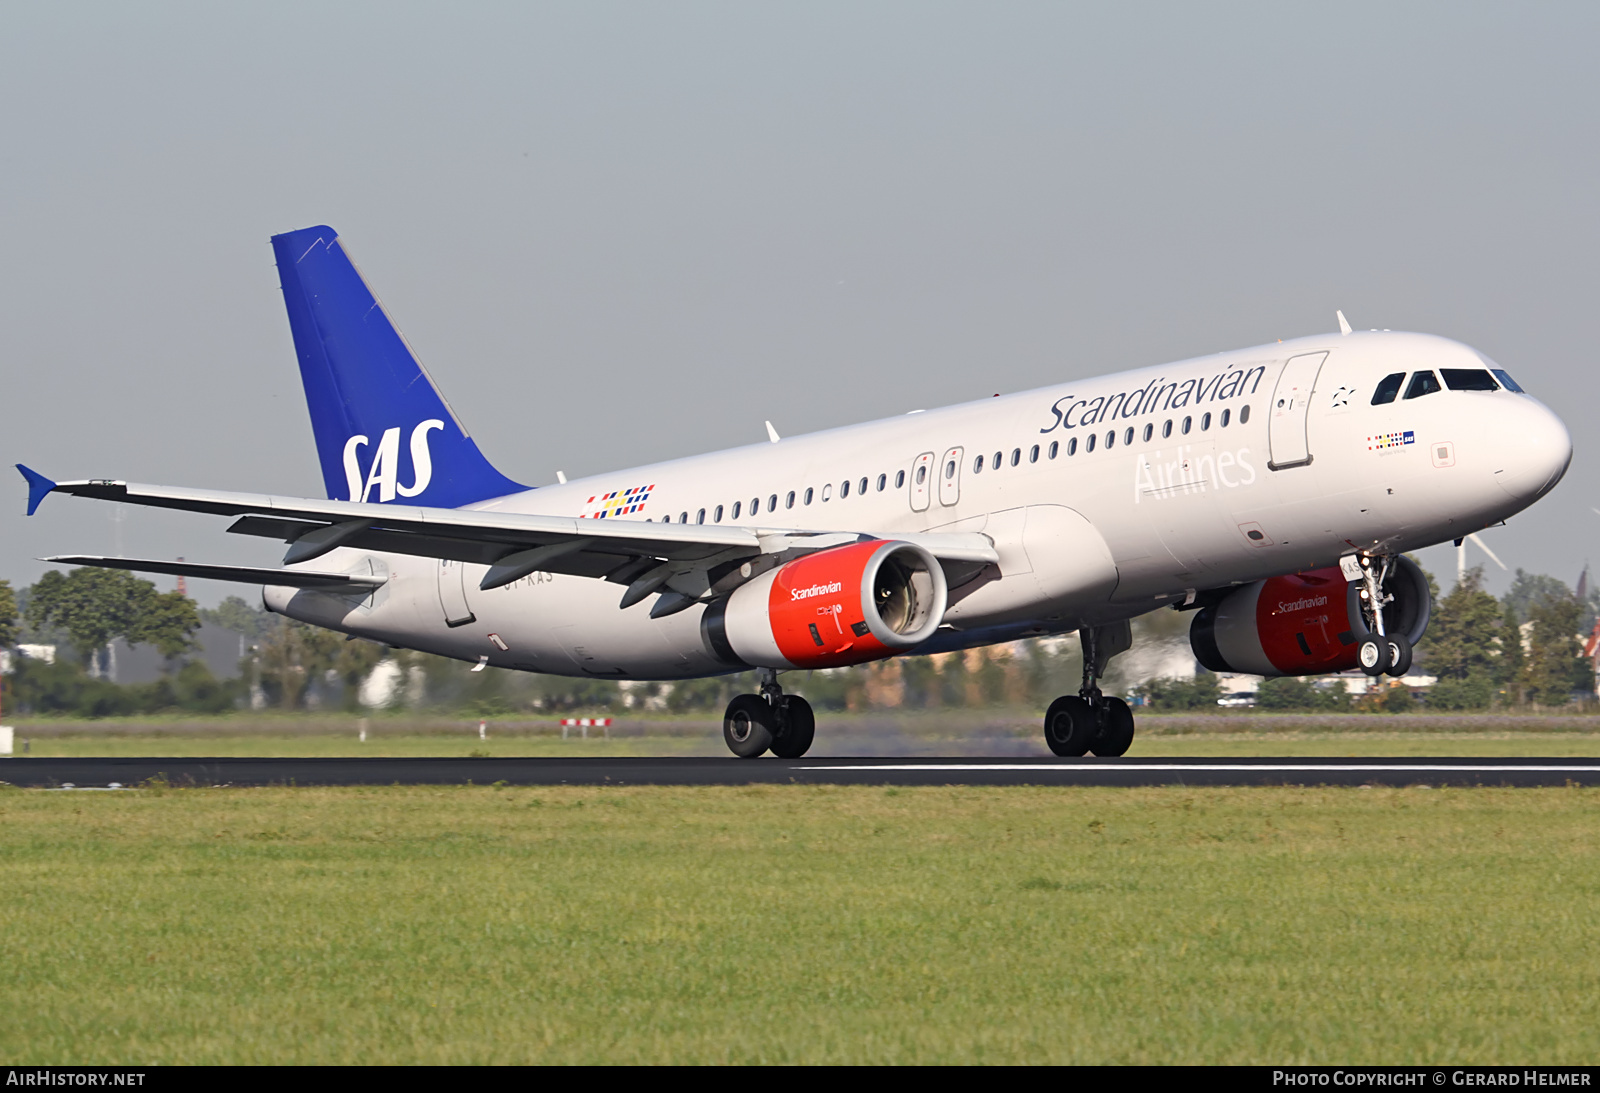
(1344,324)
(39,488)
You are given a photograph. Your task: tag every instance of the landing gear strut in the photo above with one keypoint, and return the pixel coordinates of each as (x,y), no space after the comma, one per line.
(1090,720)
(753,724)
(1380,652)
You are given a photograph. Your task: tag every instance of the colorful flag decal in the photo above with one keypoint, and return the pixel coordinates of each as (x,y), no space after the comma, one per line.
(1390,440)
(627,502)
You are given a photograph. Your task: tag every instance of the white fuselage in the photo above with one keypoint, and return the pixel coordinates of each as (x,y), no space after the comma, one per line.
(1239,495)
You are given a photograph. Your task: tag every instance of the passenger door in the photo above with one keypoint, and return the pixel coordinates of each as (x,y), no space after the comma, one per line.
(1286,428)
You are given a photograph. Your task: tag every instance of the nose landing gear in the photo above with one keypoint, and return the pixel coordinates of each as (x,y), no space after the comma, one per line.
(1381,651)
(1089,720)
(771,720)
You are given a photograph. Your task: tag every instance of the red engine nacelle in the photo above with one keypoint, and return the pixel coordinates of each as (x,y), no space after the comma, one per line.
(842,606)
(1304,624)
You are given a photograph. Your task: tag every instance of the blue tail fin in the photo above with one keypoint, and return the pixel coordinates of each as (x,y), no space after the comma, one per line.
(384,433)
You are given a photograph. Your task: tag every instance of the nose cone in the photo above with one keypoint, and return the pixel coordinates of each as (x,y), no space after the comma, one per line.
(1534,450)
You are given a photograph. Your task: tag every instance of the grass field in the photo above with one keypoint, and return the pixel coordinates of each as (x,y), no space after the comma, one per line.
(787,924)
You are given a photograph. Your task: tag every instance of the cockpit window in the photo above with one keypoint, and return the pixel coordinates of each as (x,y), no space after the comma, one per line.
(1388,389)
(1506,381)
(1468,379)
(1423,383)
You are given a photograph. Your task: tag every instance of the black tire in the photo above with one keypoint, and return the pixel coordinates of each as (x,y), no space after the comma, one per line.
(1116,729)
(1399,655)
(747,726)
(1372,655)
(1069,726)
(799,729)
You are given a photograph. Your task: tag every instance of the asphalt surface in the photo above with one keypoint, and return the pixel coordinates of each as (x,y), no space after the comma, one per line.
(89,773)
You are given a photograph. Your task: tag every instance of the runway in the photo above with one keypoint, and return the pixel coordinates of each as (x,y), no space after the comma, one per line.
(90,773)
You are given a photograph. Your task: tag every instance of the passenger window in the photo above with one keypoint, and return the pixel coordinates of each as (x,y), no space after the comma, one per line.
(1186,423)
(1111,439)
(667,519)
(1016,456)
(1127,435)
(1033,455)
(1072,446)
(700,517)
(808,495)
(1224,421)
(683,517)
(827,492)
(736,505)
(1166,428)
(1423,383)
(1388,388)
(1055,446)
(1088,443)
(900,479)
(1149,431)
(1506,381)
(844,490)
(1244,414)
(717,516)
(788,502)
(1468,379)
(861,487)
(977,465)
(950,470)
(922,475)
(883,480)
(996,460)
(1205,421)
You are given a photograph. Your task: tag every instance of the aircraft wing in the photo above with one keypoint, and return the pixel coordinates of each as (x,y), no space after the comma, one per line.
(692,559)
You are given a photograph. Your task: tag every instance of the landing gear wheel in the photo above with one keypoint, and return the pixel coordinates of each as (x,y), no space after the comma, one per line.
(1116,729)
(747,726)
(1373,655)
(1069,726)
(799,728)
(1399,655)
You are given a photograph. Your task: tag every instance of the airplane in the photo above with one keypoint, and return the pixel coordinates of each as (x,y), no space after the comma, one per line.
(1270,490)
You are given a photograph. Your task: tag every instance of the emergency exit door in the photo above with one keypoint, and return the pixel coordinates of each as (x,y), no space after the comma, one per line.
(1291,399)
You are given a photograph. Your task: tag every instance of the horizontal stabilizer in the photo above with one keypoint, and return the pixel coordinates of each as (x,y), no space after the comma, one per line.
(283,578)
(39,487)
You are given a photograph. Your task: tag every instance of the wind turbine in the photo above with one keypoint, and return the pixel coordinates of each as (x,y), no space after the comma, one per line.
(1461,554)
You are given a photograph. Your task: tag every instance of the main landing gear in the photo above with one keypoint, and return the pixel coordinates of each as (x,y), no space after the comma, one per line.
(771,720)
(1380,652)
(1089,720)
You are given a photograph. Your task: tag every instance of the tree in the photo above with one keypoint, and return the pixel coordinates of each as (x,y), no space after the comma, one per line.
(235,614)
(1528,589)
(1199,693)
(292,655)
(95,606)
(1463,639)
(1555,669)
(1513,658)
(8,616)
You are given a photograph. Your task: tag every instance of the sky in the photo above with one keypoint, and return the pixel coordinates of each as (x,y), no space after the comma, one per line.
(618,233)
